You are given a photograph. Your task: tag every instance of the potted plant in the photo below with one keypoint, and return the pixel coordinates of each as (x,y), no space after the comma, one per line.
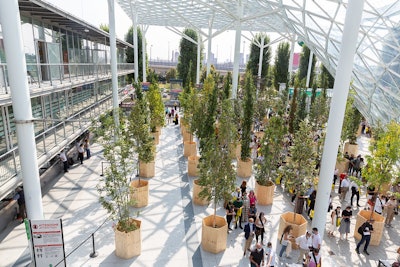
(271,157)
(139,126)
(244,163)
(157,109)
(218,178)
(114,187)
(351,122)
(380,169)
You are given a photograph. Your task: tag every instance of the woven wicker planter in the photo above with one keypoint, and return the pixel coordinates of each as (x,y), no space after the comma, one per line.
(342,165)
(350,148)
(140,193)
(244,168)
(193,165)
(147,170)
(265,193)
(196,190)
(378,225)
(213,239)
(259,134)
(189,148)
(186,136)
(128,245)
(156,136)
(299,224)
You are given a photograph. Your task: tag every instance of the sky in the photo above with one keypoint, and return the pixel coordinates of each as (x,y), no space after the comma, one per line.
(222,46)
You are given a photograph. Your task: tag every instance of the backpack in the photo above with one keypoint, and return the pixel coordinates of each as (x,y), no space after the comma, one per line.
(360,229)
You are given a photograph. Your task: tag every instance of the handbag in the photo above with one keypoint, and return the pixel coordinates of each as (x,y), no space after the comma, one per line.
(338,220)
(258,231)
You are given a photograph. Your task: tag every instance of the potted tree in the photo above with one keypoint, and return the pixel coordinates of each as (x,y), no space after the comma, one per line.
(114,187)
(380,169)
(351,122)
(271,157)
(218,178)
(156,108)
(299,174)
(244,163)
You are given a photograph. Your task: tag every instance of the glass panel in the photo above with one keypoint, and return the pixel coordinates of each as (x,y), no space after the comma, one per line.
(3,146)
(54,58)
(37,113)
(13,129)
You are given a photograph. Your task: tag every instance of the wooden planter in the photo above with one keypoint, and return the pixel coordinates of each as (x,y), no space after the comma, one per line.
(140,193)
(196,190)
(128,245)
(350,148)
(189,148)
(259,135)
(244,168)
(147,170)
(186,136)
(299,224)
(342,165)
(193,165)
(238,150)
(214,239)
(378,225)
(265,194)
(156,136)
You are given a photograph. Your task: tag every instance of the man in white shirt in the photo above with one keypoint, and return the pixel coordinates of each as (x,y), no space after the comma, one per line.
(304,242)
(270,253)
(379,203)
(316,239)
(355,191)
(64,160)
(344,188)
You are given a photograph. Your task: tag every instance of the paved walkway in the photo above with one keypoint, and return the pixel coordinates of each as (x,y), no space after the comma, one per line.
(171,224)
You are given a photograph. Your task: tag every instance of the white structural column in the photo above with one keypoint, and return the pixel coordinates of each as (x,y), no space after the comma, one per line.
(113,60)
(144,49)
(198,58)
(209,47)
(236,59)
(336,113)
(260,60)
(21,103)
(290,69)
(310,60)
(135,48)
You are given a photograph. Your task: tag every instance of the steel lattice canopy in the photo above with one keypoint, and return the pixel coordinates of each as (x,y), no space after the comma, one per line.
(318,23)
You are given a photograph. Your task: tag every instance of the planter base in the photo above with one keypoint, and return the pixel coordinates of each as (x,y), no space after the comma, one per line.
(265,194)
(378,225)
(299,224)
(189,148)
(244,168)
(350,148)
(213,239)
(147,170)
(128,245)
(140,193)
(196,190)
(193,163)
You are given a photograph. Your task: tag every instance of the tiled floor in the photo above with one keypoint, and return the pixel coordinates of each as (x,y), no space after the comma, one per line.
(171,224)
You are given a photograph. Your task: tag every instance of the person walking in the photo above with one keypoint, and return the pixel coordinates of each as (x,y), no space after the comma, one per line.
(260,223)
(257,256)
(365,230)
(252,212)
(286,241)
(344,188)
(249,230)
(64,160)
(335,221)
(271,255)
(80,153)
(86,146)
(252,198)
(230,212)
(245,207)
(390,207)
(20,197)
(316,239)
(238,206)
(314,258)
(355,191)
(304,242)
(344,227)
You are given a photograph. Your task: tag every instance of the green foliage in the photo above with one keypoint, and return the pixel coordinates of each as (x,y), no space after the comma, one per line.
(326,80)
(356,180)
(281,64)
(301,113)
(248,111)
(293,108)
(303,68)
(114,187)
(252,64)
(217,174)
(381,164)
(171,74)
(203,74)
(271,150)
(130,58)
(139,127)
(227,86)
(313,94)
(319,111)
(300,170)
(104,27)
(156,107)
(351,122)
(187,54)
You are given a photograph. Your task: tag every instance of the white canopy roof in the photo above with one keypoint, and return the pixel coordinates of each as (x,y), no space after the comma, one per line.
(319,23)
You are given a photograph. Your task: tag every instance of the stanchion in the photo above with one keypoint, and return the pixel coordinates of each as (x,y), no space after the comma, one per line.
(94,253)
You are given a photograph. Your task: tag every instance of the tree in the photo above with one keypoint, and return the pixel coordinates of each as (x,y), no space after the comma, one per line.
(248,111)
(105,27)
(227,88)
(351,121)
(293,108)
(156,106)
(326,80)
(281,64)
(254,57)
(301,113)
(130,58)
(319,111)
(303,68)
(171,74)
(187,54)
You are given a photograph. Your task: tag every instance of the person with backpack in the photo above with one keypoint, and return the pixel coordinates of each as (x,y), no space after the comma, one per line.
(365,231)
(314,258)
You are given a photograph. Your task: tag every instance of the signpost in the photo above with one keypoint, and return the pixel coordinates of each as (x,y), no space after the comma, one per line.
(47,242)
